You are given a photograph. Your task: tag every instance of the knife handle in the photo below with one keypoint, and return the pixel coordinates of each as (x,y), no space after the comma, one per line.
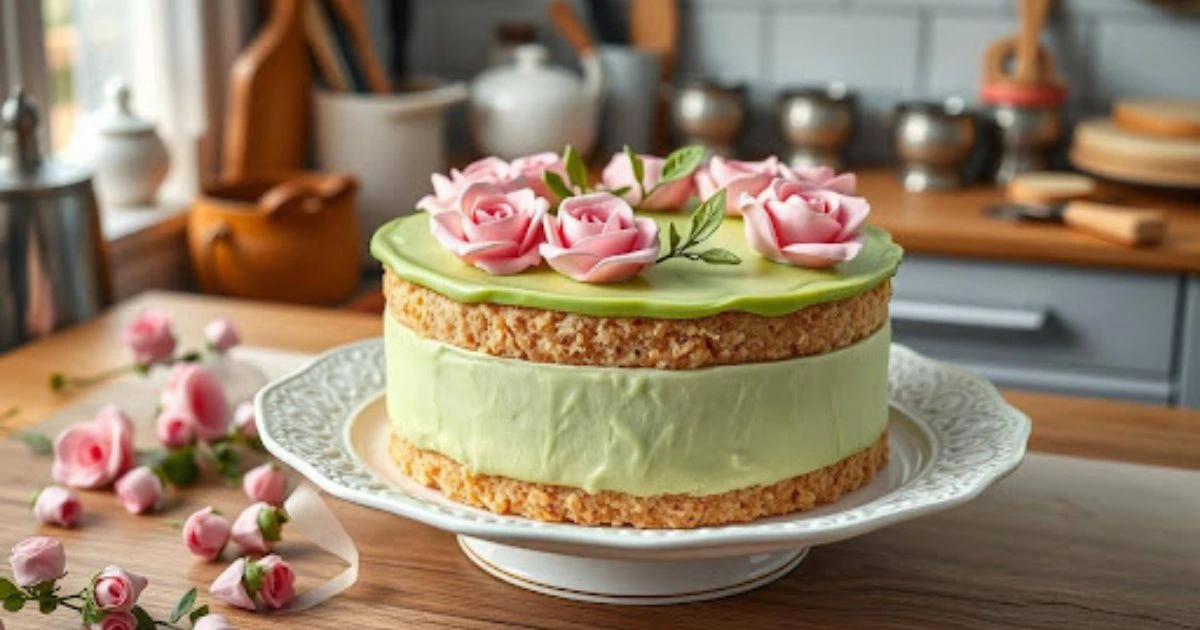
(1118,224)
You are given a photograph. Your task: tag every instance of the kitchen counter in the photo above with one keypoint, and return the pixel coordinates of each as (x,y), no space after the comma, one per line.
(1094,537)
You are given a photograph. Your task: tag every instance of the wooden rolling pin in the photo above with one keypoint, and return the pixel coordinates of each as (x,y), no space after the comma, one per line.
(1133,227)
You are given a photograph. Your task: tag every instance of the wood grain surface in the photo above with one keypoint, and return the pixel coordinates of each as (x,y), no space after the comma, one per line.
(1064,542)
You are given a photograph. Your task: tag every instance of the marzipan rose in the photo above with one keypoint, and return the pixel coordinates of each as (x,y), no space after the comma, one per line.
(796,225)
(494,230)
(597,238)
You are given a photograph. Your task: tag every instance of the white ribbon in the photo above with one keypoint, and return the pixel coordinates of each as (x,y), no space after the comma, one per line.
(309,515)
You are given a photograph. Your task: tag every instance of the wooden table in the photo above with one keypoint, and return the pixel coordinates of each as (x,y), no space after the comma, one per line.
(1063,542)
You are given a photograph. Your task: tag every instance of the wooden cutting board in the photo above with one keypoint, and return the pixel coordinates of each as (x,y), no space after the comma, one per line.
(1102,147)
(1169,118)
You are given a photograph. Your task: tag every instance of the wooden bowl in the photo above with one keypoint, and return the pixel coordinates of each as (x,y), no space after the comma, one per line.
(291,237)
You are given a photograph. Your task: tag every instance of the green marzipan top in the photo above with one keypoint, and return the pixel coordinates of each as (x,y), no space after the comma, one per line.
(675,289)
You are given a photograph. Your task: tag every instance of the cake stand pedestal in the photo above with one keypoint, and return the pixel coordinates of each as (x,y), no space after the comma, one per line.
(630,582)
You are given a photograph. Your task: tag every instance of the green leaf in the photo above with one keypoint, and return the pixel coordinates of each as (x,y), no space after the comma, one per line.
(253,578)
(672,238)
(270,523)
(14,602)
(179,466)
(144,620)
(58,381)
(639,168)
(191,356)
(718,256)
(47,605)
(7,588)
(185,604)
(91,614)
(38,443)
(197,614)
(681,162)
(556,185)
(707,218)
(576,169)
(620,192)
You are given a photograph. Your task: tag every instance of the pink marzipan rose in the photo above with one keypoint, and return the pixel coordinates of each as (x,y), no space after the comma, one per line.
(221,335)
(194,390)
(213,622)
(56,505)
(116,621)
(229,588)
(149,337)
(596,238)
(117,590)
(447,190)
(266,483)
(37,559)
(619,173)
(493,230)
(175,427)
(243,420)
(206,533)
(278,584)
(823,177)
(792,224)
(737,177)
(140,491)
(258,527)
(93,454)
(533,167)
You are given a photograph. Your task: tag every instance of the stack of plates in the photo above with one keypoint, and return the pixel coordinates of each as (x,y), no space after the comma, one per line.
(1147,141)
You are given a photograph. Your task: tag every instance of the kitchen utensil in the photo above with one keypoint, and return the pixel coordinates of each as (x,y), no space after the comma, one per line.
(267,125)
(571,27)
(318,32)
(1102,148)
(654,26)
(53,261)
(1048,187)
(128,157)
(1033,15)
(710,113)
(289,237)
(933,141)
(390,143)
(531,107)
(1171,118)
(630,99)
(818,122)
(352,16)
(1133,227)
(1027,135)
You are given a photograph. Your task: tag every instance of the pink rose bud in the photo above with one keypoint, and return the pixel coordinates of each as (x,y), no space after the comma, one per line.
(278,582)
(243,420)
(56,505)
(793,224)
(221,335)
(193,389)
(36,560)
(93,454)
(494,230)
(258,527)
(619,174)
(117,590)
(206,533)
(140,491)
(446,190)
(213,622)
(229,588)
(148,336)
(266,483)
(824,177)
(116,621)
(737,177)
(533,167)
(596,238)
(175,427)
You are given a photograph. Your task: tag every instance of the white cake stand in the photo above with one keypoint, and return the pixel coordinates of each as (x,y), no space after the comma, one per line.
(950,435)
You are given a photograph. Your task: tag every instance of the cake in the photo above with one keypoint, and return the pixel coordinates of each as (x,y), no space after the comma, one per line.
(684,395)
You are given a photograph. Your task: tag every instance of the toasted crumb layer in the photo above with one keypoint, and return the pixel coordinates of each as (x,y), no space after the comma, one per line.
(673,344)
(543,502)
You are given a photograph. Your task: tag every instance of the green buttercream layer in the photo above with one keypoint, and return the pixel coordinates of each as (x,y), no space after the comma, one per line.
(674,289)
(639,431)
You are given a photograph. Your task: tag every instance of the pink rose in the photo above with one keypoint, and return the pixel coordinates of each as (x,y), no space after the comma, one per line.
(796,225)
(117,590)
(596,238)
(532,168)
(266,483)
(243,420)
(446,190)
(56,505)
(221,335)
(93,454)
(619,174)
(229,586)
(213,622)
(258,527)
(37,559)
(206,533)
(116,621)
(737,177)
(194,390)
(175,427)
(823,177)
(140,491)
(148,336)
(278,582)
(494,230)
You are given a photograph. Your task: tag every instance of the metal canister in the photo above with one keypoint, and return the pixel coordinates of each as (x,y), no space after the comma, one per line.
(53,263)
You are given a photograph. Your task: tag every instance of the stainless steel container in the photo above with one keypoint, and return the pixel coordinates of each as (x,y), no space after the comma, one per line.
(53,266)
(1026,136)
(710,113)
(818,122)
(933,140)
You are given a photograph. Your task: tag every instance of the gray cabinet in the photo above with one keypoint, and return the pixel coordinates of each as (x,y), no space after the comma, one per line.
(1189,347)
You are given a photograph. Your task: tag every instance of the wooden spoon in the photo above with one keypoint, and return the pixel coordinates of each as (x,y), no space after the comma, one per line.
(1033,16)
(571,27)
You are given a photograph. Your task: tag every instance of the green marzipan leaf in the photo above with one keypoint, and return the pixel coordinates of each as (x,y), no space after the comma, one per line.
(197,614)
(681,162)
(620,192)
(576,169)
(144,620)
(91,614)
(718,256)
(38,443)
(47,605)
(556,185)
(179,467)
(14,603)
(7,588)
(639,168)
(185,604)
(707,218)
(673,238)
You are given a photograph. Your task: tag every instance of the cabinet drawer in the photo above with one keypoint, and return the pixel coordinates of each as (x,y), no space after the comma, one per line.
(1110,324)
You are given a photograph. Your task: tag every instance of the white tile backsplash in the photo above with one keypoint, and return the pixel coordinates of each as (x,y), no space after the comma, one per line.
(866,51)
(1147,59)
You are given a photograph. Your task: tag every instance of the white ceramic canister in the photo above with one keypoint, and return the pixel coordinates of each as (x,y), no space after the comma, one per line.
(126,153)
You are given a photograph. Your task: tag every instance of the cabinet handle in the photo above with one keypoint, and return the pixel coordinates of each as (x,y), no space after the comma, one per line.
(970,316)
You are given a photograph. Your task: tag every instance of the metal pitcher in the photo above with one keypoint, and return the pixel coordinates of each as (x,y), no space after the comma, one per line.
(53,263)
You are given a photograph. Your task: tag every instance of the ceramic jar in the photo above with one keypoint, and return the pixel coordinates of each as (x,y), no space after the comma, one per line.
(128,156)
